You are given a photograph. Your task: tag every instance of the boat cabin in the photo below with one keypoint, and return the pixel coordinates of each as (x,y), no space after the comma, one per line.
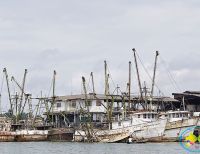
(176,115)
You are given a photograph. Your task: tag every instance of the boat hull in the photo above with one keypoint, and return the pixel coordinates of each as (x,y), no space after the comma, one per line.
(7,137)
(151,131)
(174,129)
(62,134)
(31,136)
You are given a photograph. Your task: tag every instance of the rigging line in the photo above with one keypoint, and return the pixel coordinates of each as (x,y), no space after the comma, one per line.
(170,74)
(110,76)
(148,72)
(175,86)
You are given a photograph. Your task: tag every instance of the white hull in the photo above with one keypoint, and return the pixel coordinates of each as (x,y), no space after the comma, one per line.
(152,131)
(144,130)
(174,129)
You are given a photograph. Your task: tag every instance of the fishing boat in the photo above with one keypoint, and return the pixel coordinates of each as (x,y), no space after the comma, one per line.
(139,126)
(147,126)
(177,121)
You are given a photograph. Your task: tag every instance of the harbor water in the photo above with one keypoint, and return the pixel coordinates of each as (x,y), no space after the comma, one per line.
(85,148)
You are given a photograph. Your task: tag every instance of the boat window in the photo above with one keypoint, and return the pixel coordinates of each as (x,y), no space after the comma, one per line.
(144,116)
(181,115)
(119,123)
(167,115)
(173,115)
(149,116)
(138,115)
(152,115)
(184,115)
(177,115)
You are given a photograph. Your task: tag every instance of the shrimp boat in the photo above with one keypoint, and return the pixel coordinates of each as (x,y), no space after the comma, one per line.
(106,135)
(139,126)
(147,126)
(178,121)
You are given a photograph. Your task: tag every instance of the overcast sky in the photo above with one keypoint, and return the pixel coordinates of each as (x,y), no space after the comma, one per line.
(75,37)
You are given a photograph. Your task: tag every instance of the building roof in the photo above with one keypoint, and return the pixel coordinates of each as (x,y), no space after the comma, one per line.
(110,97)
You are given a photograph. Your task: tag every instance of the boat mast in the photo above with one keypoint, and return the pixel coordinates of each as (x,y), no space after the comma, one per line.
(106,78)
(85,92)
(109,106)
(92,76)
(22,91)
(138,75)
(54,97)
(129,87)
(153,79)
(8,88)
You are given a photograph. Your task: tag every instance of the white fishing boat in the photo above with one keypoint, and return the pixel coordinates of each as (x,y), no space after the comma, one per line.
(147,126)
(178,121)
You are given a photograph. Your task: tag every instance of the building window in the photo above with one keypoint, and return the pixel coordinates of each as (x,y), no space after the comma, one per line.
(149,116)
(58,104)
(98,102)
(138,115)
(74,104)
(89,103)
(144,116)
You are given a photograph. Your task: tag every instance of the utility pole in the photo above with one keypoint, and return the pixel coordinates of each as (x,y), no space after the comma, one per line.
(93,88)
(138,75)
(153,80)
(8,88)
